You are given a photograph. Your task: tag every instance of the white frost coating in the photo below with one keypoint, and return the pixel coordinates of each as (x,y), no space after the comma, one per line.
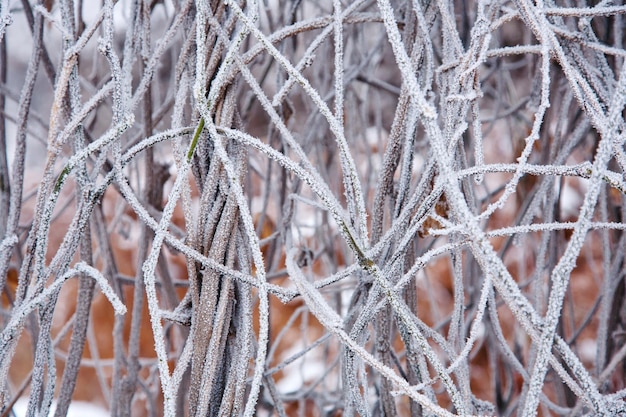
(8,242)
(311,295)
(561,273)
(350,173)
(5,17)
(334,324)
(244,212)
(30,304)
(480,247)
(108,292)
(54,20)
(149,277)
(427,69)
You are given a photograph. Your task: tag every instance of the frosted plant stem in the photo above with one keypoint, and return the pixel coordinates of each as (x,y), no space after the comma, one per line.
(17,171)
(402,311)
(284,295)
(480,246)
(560,274)
(148,269)
(279,97)
(531,139)
(334,324)
(5,18)
(41,228)
(257,114)
(351,174)
(244,211)
(28,307)
(86,285)
(312,179)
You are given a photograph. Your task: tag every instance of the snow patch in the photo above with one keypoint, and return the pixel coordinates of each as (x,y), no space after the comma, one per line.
(77,409)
